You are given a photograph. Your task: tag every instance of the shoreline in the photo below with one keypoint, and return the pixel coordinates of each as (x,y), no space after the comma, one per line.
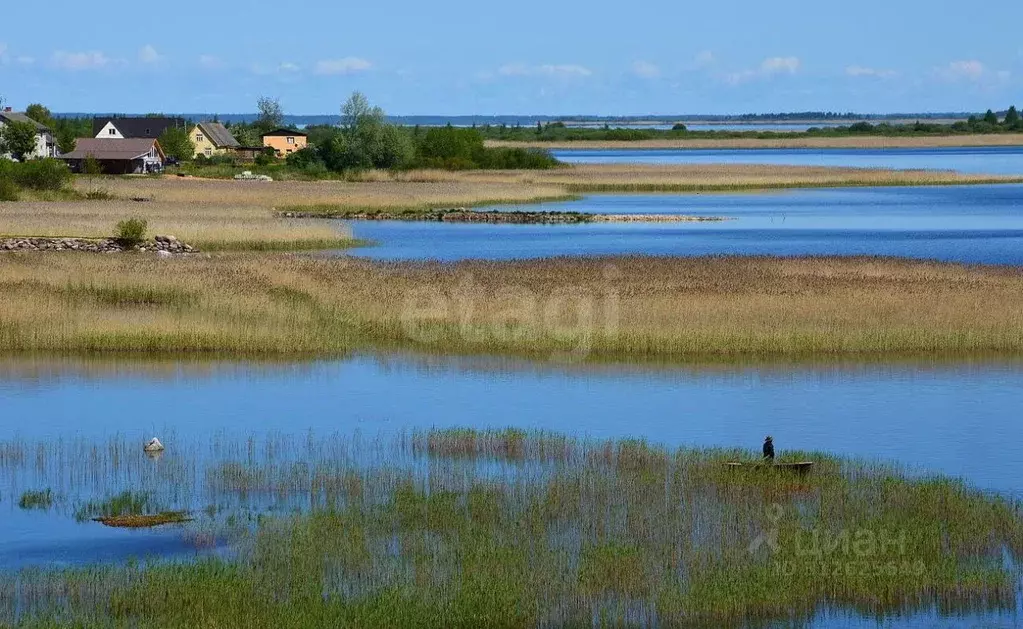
(494,217)
(850,142)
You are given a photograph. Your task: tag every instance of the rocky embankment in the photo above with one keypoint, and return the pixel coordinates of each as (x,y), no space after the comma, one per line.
(464,215)
(159,244)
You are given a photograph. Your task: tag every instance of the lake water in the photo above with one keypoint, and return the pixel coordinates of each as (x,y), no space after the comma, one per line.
(996,160)
(975,224)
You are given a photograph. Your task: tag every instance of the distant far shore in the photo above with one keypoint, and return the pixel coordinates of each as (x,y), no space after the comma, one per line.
(864,142)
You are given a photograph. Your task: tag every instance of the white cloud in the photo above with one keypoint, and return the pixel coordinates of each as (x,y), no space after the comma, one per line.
(148,54)
(645,70)
(704,59)
(549,70)
(210,62)
(283,68)
(861,71)
(772,66)
(780,65)
(25,61)
(347,65)
(971,70)
(91,60)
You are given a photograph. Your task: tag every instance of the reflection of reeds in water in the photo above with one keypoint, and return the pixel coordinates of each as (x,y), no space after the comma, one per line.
(507,528)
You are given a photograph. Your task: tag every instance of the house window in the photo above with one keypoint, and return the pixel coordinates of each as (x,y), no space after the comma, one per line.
(209,152)
(198,137)
(147,131)
(111,131)
(291,140)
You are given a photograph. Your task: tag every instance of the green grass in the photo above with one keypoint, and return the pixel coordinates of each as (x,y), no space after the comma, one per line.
(126,503)
(468,528)
(40,500)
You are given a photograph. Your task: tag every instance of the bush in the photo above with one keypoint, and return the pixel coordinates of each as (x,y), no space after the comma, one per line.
(8,189)
(131,231)
(41,174)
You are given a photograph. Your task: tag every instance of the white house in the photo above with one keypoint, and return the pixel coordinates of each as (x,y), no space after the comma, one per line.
(148,127)
(45,146)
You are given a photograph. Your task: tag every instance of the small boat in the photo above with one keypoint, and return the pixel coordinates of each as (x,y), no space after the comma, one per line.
(154,445)
(801,467)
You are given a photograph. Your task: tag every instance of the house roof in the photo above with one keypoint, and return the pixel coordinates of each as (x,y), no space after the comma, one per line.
(112,149)
(218,134)
(293,132)
(11,116)
(138,127)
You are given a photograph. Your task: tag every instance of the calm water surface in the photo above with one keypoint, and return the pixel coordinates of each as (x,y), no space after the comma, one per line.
(1006,160)
(975,224)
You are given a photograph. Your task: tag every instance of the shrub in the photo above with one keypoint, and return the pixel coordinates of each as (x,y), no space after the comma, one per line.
(41,174)
(131,231)
(8,189)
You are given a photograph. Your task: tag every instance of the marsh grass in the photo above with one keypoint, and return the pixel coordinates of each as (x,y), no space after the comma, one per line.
(507,528)
(590,309)
(126,503)
(41,500)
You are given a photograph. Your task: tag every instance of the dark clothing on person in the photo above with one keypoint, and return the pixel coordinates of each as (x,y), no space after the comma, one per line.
(769,450)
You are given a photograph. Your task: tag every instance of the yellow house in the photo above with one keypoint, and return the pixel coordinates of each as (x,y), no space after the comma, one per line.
(285,141)
(212,138)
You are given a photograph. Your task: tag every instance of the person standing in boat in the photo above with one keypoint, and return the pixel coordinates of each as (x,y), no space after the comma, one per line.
(769,449)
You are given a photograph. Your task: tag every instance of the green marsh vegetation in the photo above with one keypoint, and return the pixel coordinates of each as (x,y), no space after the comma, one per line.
(507,528)
(39,499)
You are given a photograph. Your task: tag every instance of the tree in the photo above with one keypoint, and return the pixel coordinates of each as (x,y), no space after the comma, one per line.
(990,117)
(19,139)
(66,140)
(40,114)
(176,143)
(357,113)
(271,115)
(1012,118)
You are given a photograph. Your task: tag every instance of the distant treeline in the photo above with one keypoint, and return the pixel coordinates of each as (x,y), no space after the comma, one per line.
(990,122)
(530,120)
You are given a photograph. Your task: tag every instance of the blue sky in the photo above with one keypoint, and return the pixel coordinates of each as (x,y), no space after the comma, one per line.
(532,56)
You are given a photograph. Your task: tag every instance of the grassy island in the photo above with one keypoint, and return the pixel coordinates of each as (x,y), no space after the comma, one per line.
(505,528)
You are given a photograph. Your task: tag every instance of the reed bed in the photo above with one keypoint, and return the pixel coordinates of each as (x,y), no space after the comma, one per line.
(506,528)
(867,142)
(682,178)
(561,309)
(379,190)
